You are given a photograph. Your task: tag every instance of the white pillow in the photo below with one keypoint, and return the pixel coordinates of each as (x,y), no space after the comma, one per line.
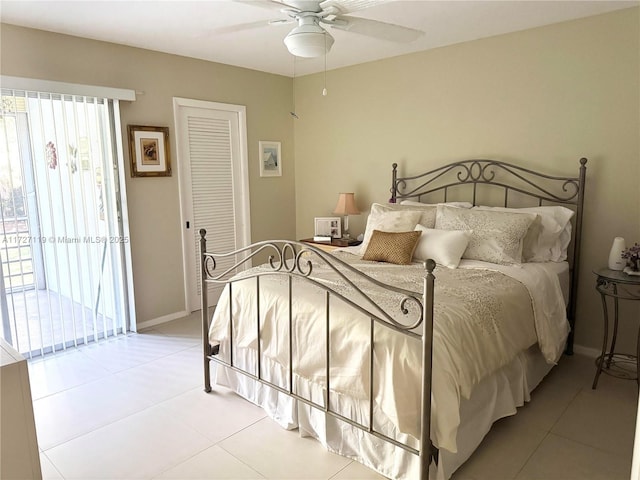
(497,236)
(559,250)
(427,212)
(452,204)
(444,246)
(547,239)
(389,221)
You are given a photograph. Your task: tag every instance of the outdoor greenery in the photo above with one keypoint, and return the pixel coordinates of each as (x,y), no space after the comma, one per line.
(12,202)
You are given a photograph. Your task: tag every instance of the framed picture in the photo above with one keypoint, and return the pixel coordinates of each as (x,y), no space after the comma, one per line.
(328,227)
(270,159)
(149,151)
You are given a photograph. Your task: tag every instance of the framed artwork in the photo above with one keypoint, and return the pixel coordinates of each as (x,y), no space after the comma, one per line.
(149,151)
(328,227)
(270,159)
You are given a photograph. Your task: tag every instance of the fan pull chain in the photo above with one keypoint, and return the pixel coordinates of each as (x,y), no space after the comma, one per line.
(293,112)
(324,90)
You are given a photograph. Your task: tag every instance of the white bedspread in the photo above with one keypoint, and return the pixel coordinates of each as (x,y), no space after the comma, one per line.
(484,315)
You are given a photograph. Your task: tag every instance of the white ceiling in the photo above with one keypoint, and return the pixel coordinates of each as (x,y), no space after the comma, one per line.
(188,27)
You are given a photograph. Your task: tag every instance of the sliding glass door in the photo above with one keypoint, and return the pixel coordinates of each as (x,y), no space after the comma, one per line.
(62,241)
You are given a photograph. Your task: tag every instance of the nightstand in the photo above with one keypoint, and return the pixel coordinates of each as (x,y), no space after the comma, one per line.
(334,244)
(619,286)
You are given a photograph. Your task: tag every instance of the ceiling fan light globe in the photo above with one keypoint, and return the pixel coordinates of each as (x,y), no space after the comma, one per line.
(308,41)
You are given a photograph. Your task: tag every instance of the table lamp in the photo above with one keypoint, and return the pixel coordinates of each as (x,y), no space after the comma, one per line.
(346,206)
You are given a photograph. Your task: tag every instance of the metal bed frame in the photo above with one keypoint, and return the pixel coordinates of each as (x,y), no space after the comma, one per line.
(293,260)
(497,175)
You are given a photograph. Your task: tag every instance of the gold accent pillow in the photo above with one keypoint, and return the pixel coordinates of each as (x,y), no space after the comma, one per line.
(388,221)
(392,247)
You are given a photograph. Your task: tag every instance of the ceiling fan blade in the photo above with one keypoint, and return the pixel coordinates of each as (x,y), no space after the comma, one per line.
(268,4)
(349,6)
(241,27)
(375,28)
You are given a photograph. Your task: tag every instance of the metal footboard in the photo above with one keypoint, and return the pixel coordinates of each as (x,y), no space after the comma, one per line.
(293,260)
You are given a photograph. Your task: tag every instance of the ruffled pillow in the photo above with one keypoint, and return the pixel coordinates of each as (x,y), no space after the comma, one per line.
(427,212)
(548,237)
(497,237)
(451,204)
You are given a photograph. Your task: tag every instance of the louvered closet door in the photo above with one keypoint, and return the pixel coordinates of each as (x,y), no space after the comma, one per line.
(213,182)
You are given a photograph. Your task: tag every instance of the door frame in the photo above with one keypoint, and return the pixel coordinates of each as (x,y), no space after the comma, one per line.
(240,186)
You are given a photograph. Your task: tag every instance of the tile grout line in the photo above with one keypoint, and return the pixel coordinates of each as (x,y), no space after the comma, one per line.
(549,432)
(101,426)
(235,433)
(51,358)
(182,461)
(52,464)
(341,470)
(81,356)
(582,444)
(212,443)
(109,372)
(94,429)
(126,417)
(262,474)
(218,444)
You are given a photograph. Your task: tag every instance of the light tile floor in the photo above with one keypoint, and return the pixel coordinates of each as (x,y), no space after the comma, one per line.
(133,408)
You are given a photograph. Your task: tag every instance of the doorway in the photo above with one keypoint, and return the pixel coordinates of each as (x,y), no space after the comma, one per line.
(63,244)
(214,186)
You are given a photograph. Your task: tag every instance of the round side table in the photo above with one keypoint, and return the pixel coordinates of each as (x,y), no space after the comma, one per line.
(619,286)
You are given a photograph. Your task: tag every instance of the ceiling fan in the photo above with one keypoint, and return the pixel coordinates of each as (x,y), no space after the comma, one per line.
(309,39)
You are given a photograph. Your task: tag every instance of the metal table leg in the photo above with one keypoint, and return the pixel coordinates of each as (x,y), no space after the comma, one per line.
(615,325)
(605,338)
(638,359)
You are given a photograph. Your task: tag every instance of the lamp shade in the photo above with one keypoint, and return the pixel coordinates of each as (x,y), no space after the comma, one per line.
(346,205)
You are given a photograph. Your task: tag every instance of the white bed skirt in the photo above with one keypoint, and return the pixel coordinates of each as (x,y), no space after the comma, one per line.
(497,396)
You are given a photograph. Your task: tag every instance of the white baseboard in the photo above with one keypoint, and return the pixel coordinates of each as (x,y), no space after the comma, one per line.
(586,351)
(164,319)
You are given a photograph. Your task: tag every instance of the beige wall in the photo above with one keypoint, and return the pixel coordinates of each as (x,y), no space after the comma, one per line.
(543,98)
(154,209)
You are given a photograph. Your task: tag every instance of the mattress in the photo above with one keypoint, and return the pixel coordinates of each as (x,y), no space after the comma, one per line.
(454,392)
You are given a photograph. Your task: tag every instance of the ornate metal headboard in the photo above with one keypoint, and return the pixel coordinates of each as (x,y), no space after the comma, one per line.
(469,180)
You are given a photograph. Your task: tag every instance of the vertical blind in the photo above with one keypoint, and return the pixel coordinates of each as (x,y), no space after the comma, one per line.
(62,240)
